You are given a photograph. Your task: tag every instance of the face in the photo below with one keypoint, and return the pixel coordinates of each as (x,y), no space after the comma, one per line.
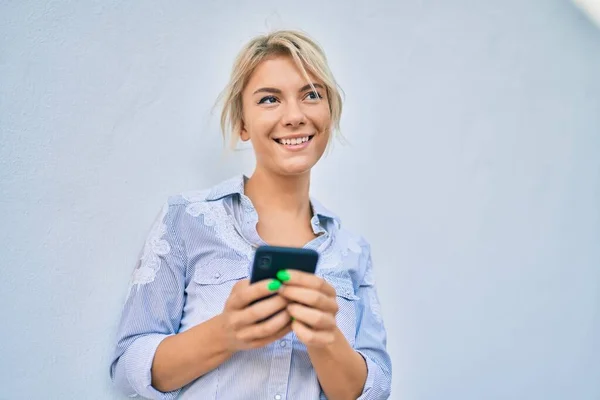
(286,120)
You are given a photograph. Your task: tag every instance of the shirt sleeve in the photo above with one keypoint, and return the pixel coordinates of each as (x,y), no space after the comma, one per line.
(371,338)
(152,310)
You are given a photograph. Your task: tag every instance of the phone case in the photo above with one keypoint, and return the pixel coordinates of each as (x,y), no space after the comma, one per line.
(268,260)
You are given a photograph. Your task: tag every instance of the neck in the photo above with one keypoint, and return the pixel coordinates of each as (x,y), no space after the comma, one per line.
(279,194)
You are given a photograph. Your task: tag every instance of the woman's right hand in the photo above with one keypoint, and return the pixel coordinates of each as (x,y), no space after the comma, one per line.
(244,323)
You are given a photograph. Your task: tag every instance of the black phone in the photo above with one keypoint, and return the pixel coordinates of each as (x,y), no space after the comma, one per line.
(268,260)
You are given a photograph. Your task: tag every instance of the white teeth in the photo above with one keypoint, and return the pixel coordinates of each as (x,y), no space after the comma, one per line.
(294,141)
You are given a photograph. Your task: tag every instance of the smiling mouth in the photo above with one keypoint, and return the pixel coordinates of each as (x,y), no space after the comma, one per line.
(295,141)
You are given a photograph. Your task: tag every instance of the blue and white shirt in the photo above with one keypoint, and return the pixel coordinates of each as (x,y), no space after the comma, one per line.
(200,245)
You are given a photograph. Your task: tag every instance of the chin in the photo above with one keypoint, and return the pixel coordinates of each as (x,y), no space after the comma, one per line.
(294,169)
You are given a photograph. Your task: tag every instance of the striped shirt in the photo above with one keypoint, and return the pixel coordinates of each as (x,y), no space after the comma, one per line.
(199,246)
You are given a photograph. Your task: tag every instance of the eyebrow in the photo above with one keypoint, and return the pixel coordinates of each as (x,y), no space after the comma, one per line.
(277,91)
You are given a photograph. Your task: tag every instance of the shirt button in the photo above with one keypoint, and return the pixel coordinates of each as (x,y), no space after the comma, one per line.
(282,343)
(217,275)
(277,397)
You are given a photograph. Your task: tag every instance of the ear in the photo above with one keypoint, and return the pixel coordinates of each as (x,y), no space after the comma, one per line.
(244,135)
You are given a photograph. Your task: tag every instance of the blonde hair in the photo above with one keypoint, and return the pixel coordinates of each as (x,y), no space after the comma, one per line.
(306,53)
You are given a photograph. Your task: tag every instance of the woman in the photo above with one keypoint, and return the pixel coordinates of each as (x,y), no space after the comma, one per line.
(190,327)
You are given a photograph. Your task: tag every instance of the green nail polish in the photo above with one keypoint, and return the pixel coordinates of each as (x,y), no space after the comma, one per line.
(274,285)
(283,275)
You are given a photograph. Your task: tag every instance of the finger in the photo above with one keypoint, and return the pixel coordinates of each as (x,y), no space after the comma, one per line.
(309,297)
(305,279)
(259,311)
(312,337)
(233,301)
(266,328)
(312,317)
(263,342)
(247,293)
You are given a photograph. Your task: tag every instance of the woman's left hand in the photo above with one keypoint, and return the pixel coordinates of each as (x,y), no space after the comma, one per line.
(313,307)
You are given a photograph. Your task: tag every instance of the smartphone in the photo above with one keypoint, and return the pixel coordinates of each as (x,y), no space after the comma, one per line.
(268,260)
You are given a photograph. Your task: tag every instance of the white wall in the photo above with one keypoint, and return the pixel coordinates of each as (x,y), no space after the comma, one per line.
(474,170)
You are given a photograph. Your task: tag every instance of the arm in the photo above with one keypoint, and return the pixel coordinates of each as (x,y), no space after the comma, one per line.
(152,311)
(371,338)
(152,359)
(344,372)
(182,358)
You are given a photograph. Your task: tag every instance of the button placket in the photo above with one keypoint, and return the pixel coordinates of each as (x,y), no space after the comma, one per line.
(280,369)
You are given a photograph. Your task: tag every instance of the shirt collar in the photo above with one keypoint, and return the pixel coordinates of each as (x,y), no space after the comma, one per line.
(227,188)
(321,211)
(235,185)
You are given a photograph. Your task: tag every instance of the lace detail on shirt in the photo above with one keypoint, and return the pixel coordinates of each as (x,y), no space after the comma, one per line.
(215,215)
(154,248)
(375,305)
(369,280)
(195,196)
(353,246)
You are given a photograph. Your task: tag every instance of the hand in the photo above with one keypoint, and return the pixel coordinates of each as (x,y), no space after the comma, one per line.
(243,323)
(312,304)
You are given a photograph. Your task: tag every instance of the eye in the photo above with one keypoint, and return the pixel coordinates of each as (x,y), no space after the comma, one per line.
(313,96)
(268,100)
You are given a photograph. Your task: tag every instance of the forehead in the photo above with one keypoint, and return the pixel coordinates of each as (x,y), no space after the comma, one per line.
(279,72)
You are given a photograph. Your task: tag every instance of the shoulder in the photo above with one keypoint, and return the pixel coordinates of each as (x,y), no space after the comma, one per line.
(188,197)
(353,241)
(192,202)
(347,239)
(217,192)
(205,195)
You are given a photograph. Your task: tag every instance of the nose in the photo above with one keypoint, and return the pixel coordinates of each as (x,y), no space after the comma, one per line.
(293,115)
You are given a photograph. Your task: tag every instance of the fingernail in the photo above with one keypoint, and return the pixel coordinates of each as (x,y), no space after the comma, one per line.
(274,285)
(283,275)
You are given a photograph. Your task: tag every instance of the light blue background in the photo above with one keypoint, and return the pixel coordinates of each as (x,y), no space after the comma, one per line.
(473,169)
